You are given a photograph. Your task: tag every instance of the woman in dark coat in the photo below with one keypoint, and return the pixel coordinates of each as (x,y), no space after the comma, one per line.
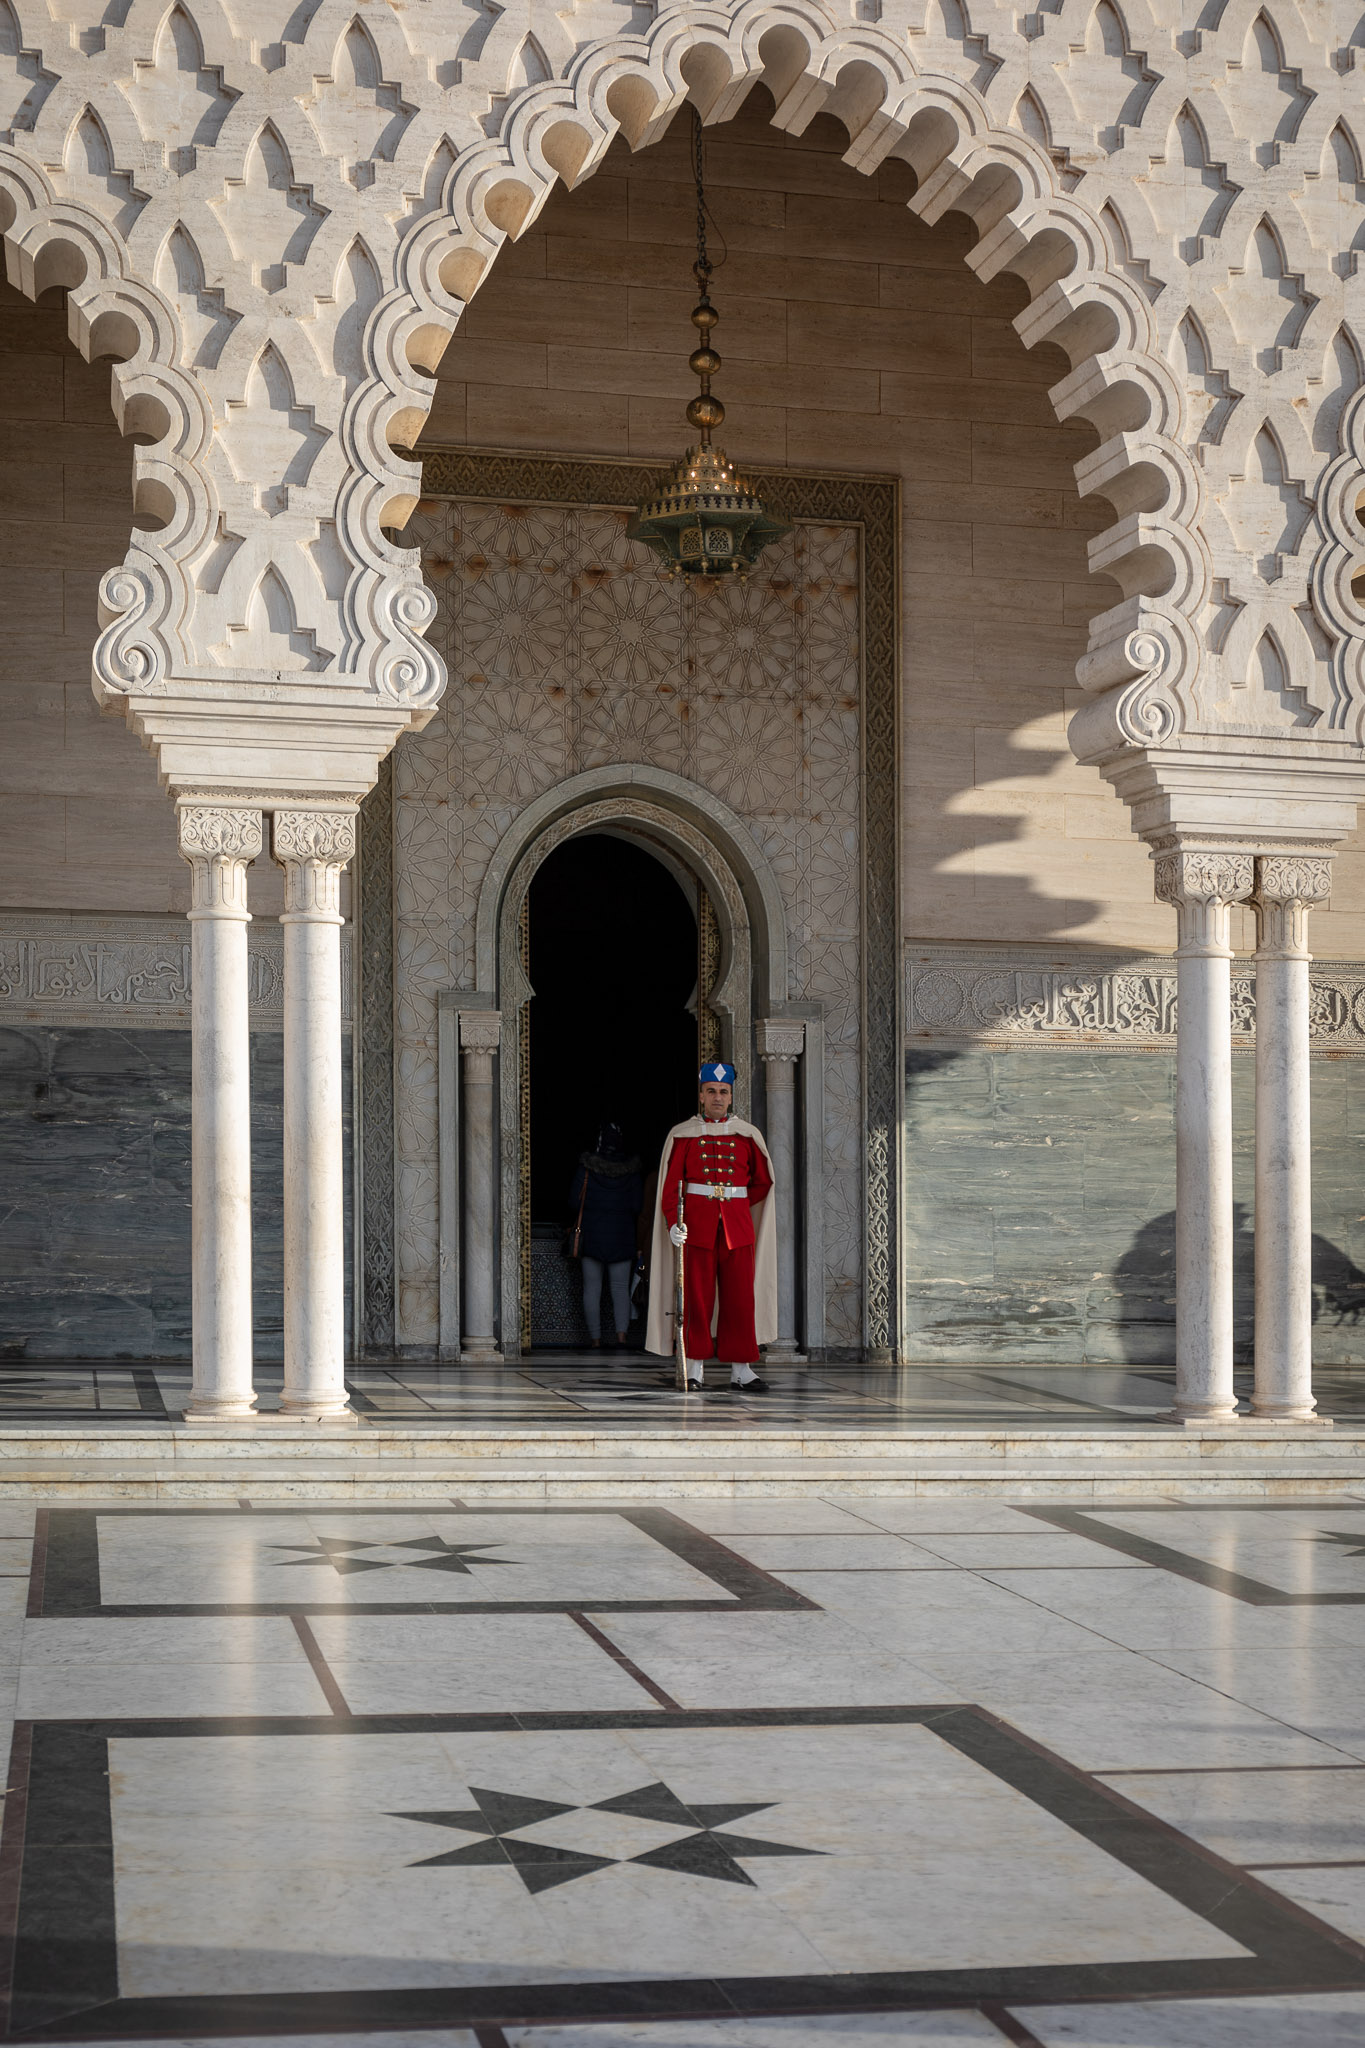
(609,1186)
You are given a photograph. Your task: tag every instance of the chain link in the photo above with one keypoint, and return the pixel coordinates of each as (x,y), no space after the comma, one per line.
(703,264)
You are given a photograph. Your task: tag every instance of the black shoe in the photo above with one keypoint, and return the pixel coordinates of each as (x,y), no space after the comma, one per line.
(668,1379)
(753,1386)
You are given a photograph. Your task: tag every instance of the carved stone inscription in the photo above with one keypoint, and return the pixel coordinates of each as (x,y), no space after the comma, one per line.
(1003,999)
(567,651)
(129,971)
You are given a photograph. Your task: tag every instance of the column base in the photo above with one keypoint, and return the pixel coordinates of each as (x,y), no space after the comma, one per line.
(1193,1417)
(1295,1417)
(213,1415)
(784,1354)
(480,1354)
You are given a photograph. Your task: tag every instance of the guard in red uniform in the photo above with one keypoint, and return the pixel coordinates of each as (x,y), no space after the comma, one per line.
(714,1176)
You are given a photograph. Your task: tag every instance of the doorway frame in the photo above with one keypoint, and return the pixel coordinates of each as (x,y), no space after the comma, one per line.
(665,814)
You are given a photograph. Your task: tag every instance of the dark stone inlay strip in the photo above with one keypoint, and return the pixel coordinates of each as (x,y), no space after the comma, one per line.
(1010,2025)
(1314,1863)
(65,1952)
(1251,1592)
(618,1656)
(37,1571)
(71,1581)
(149,1396)
(322,1670)
(749,1583)
(12,1859)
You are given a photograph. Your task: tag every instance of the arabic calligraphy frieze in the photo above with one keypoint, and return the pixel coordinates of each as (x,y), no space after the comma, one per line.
(129,971)
(997,998)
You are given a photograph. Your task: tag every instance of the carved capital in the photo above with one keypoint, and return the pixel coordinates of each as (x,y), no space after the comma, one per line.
(480,1030)
(219,841)
(327,836)
(1204,878)
(313,847)
(1294,878)
(1203,884)
(777,1038)
(1287,887)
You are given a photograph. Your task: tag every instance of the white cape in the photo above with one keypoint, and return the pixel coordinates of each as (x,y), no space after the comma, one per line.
(662,1283)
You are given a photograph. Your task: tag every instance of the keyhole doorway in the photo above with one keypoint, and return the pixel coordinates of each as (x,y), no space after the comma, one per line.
(613,949)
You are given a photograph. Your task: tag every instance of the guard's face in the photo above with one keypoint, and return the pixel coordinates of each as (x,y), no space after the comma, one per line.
(715,1098)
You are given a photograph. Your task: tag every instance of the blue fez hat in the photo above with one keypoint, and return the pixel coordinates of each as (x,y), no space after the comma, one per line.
(716,1070)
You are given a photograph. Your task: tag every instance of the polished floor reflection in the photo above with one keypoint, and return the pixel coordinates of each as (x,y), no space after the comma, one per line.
(753,1773)
(568,1390)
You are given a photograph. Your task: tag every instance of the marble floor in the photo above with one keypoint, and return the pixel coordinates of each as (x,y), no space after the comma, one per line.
(723,1774)
(562,1390)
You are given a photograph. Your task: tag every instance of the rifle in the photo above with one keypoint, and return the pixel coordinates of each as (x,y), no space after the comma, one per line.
(679,1323)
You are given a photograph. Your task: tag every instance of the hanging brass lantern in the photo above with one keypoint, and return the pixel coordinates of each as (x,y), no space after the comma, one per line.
(704,519)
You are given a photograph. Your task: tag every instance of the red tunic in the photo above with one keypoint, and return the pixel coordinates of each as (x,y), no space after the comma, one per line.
(721,1158)
(718,1265)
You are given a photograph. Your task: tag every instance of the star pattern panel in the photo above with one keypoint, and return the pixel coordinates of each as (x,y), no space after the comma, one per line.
(509,1826)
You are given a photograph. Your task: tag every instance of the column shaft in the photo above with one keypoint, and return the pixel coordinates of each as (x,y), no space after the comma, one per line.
(1203,886)
(313,848)
(1286,888)
(219,842)
(780,1044)
(480,1032)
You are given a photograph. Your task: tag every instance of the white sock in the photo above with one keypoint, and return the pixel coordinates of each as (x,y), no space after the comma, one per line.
(740,1375)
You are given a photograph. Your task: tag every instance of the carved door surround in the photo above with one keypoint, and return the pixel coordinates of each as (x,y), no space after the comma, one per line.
(704,844)
(768,718)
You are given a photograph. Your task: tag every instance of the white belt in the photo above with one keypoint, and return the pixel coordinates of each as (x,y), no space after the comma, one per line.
(718,1194)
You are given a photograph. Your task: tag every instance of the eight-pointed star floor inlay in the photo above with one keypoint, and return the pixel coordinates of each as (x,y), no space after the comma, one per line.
(340,1553)
(698,1850)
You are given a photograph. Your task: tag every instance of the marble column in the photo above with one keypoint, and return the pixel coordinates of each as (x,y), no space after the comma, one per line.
(1287,886)
(1203,884)
(780,1044)
(313,847)
(219,842)
(480,1034)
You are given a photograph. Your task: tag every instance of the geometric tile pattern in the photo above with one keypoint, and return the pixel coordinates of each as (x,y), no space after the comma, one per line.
(506,1821)
(340,1552)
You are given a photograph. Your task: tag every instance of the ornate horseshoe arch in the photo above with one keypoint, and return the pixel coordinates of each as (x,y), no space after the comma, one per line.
(686,825)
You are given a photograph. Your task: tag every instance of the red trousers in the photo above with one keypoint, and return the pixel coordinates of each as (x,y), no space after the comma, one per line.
(706,1269)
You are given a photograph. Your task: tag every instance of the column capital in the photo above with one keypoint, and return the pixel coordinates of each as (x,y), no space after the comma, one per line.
(1204,875)
(1203,882)
(1287,887)
(779,1038)
(1294,877)
(219,841)
(480,1030)
(313,847)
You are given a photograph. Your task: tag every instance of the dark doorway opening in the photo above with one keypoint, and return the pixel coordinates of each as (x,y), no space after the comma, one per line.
(613,961)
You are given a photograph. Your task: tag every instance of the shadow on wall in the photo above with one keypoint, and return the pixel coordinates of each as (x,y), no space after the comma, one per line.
(1146,1279)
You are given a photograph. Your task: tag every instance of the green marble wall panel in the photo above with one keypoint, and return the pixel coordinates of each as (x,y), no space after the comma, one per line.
(95,1192)
(1040,1205)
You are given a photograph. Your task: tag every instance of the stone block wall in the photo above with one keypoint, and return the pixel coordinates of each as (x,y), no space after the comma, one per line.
(95,1167)
(1041,1206)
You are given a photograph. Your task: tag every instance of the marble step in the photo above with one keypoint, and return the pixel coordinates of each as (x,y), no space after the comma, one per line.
(1245,1461)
